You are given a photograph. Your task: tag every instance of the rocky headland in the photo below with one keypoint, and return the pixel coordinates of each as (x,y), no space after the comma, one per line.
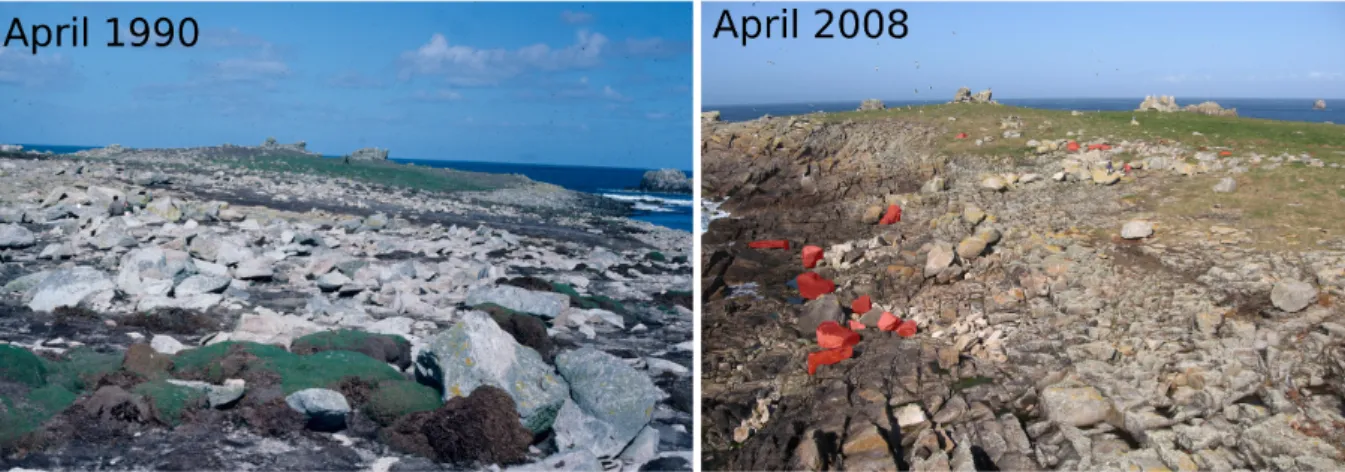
(252,308)
(1054,290)
(1167,103)
(665,181)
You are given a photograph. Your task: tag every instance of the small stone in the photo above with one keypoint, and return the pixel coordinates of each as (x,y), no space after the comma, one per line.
(939,258)
(1226,185)
(1075,406)
(201,284)
(1292,295)
(164,344)
(971,247)
(1137,229)
(815,312)
(973,215)
(934,185)
(1103,177)
(326,409)
(910,415)
(872,214)
(255,268)
(332,281)
(995,183)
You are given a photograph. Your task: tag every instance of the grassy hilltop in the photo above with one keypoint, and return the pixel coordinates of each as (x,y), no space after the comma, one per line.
(1285,204)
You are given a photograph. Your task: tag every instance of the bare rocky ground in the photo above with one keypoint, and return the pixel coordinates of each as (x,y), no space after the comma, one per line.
(1066,321)
(163,310)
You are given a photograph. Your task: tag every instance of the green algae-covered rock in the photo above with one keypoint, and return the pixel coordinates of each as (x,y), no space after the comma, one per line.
(475,352)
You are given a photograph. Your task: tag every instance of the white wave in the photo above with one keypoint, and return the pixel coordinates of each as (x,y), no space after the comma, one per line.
(648,199)
(641,206)
(710,211)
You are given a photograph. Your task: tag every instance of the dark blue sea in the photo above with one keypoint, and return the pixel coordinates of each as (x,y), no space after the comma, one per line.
(668,210)
(1266,108)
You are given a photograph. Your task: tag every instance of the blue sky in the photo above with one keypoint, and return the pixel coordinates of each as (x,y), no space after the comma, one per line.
(1037,50)
(563,83)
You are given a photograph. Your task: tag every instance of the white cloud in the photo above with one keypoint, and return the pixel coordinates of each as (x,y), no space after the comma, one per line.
(28,70)
(247,69)
(468,66)
(653,47)
(610,94)
(440,95)
(575,17)
(1324,75)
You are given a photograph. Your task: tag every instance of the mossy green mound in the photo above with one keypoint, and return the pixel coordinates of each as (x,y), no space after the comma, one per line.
(22,413)
(394,399)
(35,389)
(656,257)
(342,340)
(170,401)
(218,362)
(20,366)
(384,347)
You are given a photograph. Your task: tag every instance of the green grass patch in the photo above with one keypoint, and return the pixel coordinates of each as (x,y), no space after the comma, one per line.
(394,399)
(23,414)
(319,370)
(44,388)
(343,340)
(1308,204)
(20,366)
(170,401)
(380,173)
(656,257)
(82,367)
(1238,134)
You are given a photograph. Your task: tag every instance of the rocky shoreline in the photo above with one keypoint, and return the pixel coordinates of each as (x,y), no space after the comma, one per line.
(1060,325)
(169,308)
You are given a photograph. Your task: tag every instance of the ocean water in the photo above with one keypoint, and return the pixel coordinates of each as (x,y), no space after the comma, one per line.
(1266,108)
(668,210)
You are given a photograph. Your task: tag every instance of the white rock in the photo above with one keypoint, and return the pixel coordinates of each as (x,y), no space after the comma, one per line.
(1137,229)
(165,344)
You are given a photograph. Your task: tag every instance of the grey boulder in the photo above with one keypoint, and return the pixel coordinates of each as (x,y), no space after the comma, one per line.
(68,287)
(15,237)
(611,391)
(476,352)
(201,284)
(547,304)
